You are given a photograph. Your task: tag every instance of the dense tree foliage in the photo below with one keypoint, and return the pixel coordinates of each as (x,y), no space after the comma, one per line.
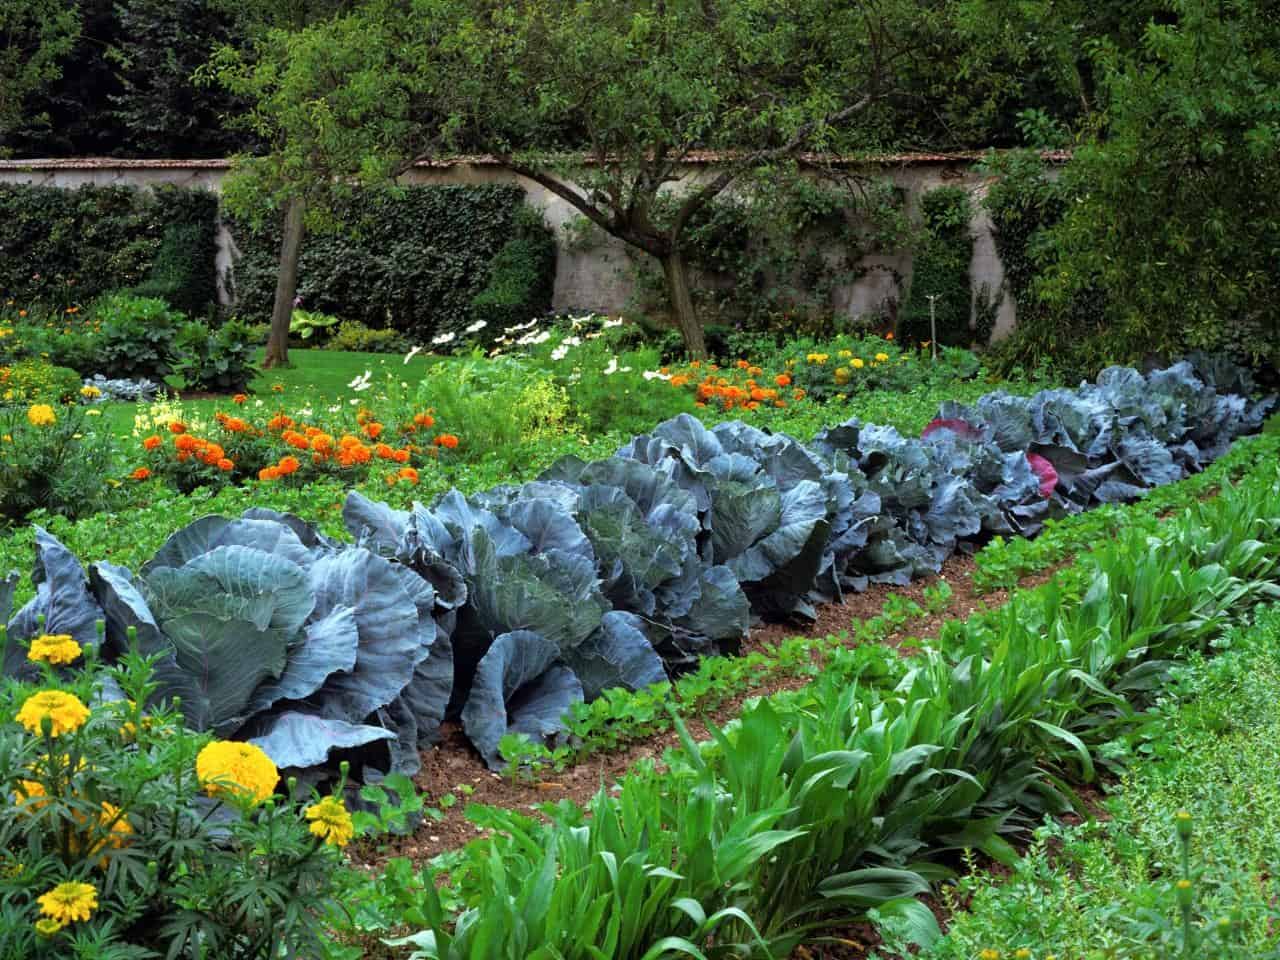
(34,35)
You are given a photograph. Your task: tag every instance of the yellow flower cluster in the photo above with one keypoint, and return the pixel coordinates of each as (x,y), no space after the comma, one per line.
(65,712)
(41,415)
(818,358)
(54,648)
(233,770)
(66,903)
(330,821)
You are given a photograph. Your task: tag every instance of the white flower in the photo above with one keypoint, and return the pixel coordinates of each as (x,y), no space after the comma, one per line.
(594,336)
(579,321)
(477,326)
(655,375)
(353,401)
(532,338)
(612,368)
(335,408)
(522,326)
(560,352)
(613,323)
(443,338)
(361,383)
(306,412)
(412,353)
(571,342)
(625,370)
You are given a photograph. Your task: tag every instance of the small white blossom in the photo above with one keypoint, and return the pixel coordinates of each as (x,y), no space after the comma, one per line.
(477,326)
(655,375)
(534,338)
(612,368)
(443,338)
(361,382)
(521,326)
(560,352)
(412,353)
(335,408)
(613,323)
(571,342)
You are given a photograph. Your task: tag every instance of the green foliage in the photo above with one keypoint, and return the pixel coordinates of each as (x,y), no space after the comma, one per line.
(521,276)
(38,381)
(850,794)
(136,337)
(309,324)
(412,259)
(353,335)
(940,269)
(60,467)
(36,34)
(65,247)
(1200,801)
(1174,219)
(116,804)
(771,257)
(218,360)
(184,270)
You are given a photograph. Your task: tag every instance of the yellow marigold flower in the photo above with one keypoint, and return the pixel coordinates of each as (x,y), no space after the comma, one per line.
(54,648)
(64,710)
(69,902)
(229,768)
(31,791)
(330,821)
(856,363)
(1022,953)
(89,392)
(845,354)
(989,954)
(882,357)
(47,926)
(41,415)
(113,823)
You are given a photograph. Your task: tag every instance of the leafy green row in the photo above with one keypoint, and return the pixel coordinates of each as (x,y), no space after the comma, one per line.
(620,716)
(848,796)
(1203,809)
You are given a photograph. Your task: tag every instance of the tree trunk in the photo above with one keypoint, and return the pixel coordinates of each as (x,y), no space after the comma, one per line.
(286,285)
(676,270)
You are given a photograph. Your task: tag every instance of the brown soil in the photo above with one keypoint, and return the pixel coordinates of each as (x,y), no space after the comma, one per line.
(452,767)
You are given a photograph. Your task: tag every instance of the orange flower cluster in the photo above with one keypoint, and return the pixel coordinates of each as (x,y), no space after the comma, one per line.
(747,395)
(253,443)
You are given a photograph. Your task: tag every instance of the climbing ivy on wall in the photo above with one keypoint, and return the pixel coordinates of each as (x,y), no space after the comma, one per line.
(940,268)
(413,259)
(61,247)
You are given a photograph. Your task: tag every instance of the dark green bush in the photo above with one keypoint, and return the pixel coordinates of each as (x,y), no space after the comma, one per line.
(136,338)
(216,360)
(412,259)
(940,268)
(62,247)
(521,277)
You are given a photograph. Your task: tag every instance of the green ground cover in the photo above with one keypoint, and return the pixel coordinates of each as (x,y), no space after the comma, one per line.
(1204,767)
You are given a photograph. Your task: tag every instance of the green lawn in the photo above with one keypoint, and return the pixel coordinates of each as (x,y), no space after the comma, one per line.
(314,377)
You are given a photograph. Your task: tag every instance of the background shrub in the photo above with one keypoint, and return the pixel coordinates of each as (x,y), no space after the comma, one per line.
(521,276)
(940,268)
(412,259)
(354,335)
(218,360)
(135,335)
(61,246)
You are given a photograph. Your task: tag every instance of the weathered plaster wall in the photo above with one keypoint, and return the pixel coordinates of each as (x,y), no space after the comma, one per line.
(596,278)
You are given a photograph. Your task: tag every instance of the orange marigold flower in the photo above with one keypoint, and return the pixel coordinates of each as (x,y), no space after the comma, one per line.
(447,440)
(384,451)
(235,425)
(295,439)
(212,453)
(889,335)
(289,465)
(779,403)
(753,405)
(177,426)
(743,365)
(185,443)
(372,430)
(142,473)
(797,394)
(424,420)
(151,442)
(408,473)
(322,443)
(783,380)
(277,388)
(240,399)
(269,473)
(225,465)
(183,456)
(279,422)
(400,456)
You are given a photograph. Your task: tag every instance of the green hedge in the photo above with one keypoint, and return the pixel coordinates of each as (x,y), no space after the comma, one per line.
(62,247)
(414,259)
(940,268)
